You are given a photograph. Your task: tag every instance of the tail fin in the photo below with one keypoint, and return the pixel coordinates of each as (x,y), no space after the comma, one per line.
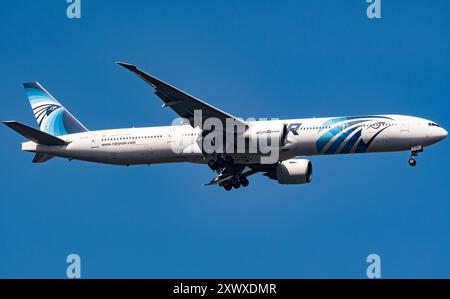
(51,116)
(41,158)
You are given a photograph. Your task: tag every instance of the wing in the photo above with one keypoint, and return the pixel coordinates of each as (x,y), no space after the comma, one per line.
(180,102)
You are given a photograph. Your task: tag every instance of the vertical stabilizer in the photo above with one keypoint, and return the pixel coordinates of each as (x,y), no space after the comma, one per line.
(50,115)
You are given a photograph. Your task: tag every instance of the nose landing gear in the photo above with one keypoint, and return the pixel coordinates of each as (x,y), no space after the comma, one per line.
(415,150)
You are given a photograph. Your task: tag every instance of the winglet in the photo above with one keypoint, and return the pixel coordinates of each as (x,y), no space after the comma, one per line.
(128,66)
(144,76)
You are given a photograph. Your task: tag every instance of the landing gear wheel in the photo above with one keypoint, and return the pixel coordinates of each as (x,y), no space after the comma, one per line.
(235,183)
(227,185)
(244,182)
(212,164)
(229,160)
(220,162)
(415,150)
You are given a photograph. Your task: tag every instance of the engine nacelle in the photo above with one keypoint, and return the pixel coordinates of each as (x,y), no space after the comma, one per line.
(293,171)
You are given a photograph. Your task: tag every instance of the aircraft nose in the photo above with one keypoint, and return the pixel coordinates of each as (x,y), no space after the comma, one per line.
(443,133)
(439,134)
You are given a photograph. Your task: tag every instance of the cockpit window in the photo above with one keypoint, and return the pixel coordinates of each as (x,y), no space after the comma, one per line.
(433,125)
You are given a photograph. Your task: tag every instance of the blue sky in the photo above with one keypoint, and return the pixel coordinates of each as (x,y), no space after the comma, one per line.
(285,59)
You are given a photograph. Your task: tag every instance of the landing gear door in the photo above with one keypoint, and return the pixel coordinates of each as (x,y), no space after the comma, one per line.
(94,142)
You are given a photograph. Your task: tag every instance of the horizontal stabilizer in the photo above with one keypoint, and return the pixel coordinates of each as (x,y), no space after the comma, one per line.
(34,135)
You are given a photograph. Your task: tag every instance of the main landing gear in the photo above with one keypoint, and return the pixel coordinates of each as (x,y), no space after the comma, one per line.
(226,165)
(220,163)
(235,183)
(414,153)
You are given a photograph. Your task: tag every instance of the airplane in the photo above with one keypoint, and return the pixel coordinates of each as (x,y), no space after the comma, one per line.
(60,134)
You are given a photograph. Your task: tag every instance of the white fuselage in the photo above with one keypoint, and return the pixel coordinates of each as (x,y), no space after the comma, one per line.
(305,137)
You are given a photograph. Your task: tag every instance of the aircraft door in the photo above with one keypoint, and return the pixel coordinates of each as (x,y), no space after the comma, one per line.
(94,142)
(171,137)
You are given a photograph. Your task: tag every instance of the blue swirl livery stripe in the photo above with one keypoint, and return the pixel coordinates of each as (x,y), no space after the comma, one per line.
(37,96)
(334,131)
(55,123)
(339,140)
(362,146)
(326,137)
(50,115)
(351,142)
(338,128)
(336,120)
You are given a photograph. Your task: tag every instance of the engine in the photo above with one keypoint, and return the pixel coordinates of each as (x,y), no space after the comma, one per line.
(292,171)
